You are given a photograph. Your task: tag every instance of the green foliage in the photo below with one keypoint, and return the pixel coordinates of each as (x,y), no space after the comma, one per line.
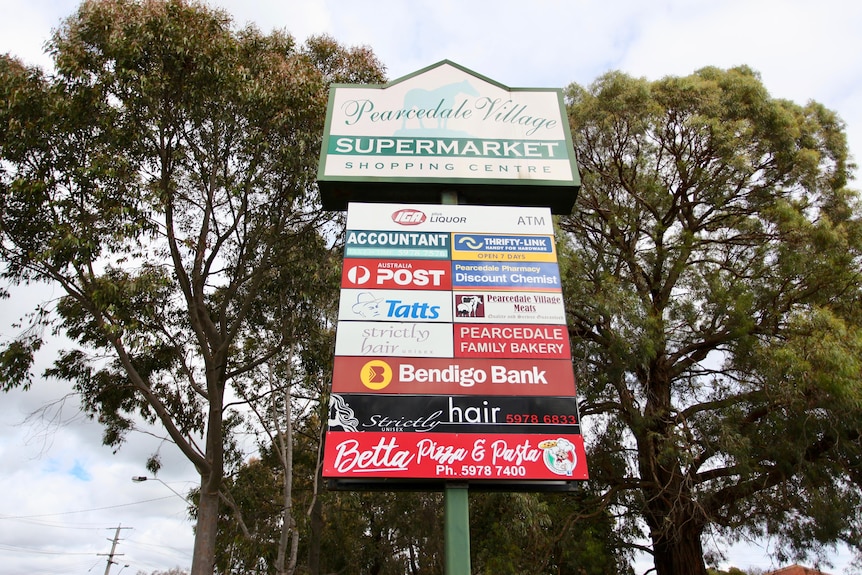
(402,532)
(731,571)
(543,533)
(16,360)
(713,288)
(163,178)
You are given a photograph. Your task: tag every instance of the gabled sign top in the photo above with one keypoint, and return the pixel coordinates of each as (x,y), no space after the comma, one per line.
(447,128)
(455,69)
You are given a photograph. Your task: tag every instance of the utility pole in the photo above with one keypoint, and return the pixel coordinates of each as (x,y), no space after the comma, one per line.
(112,554)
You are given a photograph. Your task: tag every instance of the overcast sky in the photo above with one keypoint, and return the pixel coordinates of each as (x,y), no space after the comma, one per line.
(63,495)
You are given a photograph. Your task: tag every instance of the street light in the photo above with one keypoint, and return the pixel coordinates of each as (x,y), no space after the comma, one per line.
(142,478)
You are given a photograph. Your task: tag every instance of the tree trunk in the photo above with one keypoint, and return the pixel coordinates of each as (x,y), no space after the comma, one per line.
(679,555)
(203,560)
(315,511)
(314,539)
(288,525)
(675,520)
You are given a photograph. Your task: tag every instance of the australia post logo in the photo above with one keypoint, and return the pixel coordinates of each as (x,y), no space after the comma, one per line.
(408,217)
(396,274)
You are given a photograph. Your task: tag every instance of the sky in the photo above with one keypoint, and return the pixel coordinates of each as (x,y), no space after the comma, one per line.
(63,495)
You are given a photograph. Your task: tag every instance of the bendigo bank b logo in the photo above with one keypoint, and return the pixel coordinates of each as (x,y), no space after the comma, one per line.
(375,374)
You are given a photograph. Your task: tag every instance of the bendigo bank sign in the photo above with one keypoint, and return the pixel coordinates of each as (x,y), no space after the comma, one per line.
(452,353)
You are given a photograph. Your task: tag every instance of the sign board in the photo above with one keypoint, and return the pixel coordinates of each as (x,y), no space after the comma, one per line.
(449,376)
(446,127)
(501,456)
(453,361)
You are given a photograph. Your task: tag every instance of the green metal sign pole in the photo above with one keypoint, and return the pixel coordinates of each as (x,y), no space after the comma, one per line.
(456,502)
(456,525)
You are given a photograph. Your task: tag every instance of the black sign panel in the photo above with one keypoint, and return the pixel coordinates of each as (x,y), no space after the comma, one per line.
(453,413)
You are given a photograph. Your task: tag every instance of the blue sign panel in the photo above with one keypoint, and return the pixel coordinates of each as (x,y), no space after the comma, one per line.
(397,244)
(534,276)
(498,243)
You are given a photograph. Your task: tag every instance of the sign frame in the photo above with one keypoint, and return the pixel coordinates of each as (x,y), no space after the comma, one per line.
(521,153)
(519,349)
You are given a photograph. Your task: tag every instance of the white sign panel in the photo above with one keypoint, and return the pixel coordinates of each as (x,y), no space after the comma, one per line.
(509,307)
(450,218)
(395,305)
(394,339)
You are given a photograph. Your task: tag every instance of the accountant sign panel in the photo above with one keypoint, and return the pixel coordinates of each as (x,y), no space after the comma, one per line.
(448,125)
(452,353)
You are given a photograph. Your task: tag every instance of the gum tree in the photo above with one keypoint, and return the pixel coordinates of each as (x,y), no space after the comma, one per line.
(713,286)
(163,178)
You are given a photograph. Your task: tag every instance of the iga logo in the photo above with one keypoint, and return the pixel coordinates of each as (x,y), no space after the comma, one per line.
(408,217)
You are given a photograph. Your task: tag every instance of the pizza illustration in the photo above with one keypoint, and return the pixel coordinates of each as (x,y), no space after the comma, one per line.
(560,456)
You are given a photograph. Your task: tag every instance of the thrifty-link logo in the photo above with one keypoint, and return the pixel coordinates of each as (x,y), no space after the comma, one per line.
(497,243)
(402,244)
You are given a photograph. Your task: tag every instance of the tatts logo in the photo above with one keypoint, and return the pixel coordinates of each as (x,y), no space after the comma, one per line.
(376,374)
(408,217)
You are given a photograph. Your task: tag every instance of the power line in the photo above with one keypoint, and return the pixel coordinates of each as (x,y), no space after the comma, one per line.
(186,553)
(84,510)
(56,525)
(16,549)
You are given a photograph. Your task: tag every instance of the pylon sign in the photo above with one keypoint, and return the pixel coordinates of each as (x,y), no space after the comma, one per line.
(452,357)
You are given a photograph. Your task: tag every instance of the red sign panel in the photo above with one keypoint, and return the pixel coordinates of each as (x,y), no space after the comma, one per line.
(448,376)
(396,274)
(446,456)
(515,341)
